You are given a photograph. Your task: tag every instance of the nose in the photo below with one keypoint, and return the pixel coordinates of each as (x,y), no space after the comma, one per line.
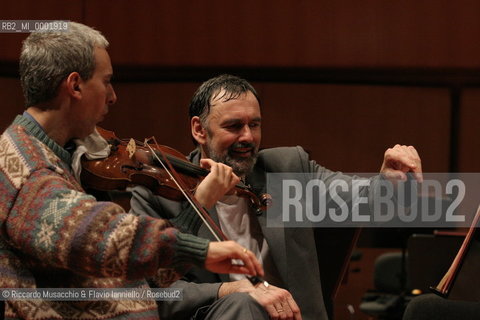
(112,97)
(246,134)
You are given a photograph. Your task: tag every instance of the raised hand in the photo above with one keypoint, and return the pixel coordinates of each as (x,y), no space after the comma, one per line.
(399,160)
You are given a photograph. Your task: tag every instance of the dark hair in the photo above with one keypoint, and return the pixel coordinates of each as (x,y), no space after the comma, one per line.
(232,86)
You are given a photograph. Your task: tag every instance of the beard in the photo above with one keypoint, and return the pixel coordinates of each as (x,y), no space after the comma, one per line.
(241,165)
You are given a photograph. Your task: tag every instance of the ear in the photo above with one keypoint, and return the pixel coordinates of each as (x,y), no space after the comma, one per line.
(73,85)
(199,133)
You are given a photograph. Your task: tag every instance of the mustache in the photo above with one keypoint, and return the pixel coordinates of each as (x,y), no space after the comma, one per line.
(242,145)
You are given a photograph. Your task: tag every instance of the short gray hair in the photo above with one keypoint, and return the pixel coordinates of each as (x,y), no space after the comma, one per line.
(47,58)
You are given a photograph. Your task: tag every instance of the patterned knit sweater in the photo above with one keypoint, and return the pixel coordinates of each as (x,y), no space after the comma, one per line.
(54,235)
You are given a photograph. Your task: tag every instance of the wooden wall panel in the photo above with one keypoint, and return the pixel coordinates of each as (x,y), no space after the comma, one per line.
(153,109)
(10,43)
(325,33)
(345,128)
(349,128)
(469,142)
(12,101)
(332,33)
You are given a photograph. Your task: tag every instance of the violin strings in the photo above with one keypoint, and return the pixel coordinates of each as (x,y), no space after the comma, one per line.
(253,279)
(185,194)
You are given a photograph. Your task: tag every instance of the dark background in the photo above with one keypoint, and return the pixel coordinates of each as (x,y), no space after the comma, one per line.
(346,79)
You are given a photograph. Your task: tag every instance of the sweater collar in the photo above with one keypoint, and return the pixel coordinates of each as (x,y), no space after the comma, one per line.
(34,129)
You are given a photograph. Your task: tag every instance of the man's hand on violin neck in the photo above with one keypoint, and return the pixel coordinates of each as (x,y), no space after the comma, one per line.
(220,181)
(220,255)
(278,302)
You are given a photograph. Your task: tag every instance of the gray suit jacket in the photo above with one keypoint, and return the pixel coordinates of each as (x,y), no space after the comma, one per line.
(293,249)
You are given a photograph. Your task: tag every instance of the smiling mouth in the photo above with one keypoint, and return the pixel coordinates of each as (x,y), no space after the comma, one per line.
(244,152)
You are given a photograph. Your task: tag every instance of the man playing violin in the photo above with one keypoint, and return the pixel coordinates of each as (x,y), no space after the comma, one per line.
(225,123)
(53,234)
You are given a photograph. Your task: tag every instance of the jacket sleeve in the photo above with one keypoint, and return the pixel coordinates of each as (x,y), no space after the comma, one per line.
(295,160)
(180,214)
(195,296)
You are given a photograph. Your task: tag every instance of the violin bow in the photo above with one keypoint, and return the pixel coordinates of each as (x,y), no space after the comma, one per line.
(198,208)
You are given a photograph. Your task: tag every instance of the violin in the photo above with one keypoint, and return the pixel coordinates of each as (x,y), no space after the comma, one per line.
(133,163)
(164,170)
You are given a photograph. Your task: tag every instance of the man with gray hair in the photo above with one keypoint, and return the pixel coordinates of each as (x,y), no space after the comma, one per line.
(53,234)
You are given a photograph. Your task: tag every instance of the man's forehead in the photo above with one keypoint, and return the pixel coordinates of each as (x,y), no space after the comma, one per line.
(102,61)
(235,110)
(223,95)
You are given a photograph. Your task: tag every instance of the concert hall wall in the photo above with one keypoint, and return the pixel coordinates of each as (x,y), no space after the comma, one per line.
(345,79)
